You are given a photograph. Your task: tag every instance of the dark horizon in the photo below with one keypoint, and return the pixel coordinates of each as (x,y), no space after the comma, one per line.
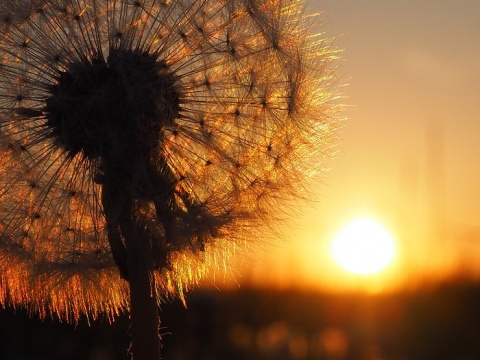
(439,323)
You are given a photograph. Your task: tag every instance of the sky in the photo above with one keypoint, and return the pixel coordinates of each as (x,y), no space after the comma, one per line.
(409,154)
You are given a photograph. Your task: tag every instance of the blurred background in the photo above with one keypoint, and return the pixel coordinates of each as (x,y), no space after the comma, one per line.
(407,161)
(408,151)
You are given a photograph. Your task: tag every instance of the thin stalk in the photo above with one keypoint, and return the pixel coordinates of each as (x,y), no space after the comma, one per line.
(134,258)
(144,315)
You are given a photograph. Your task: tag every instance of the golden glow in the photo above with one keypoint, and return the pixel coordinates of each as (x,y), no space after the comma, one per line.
(363,246)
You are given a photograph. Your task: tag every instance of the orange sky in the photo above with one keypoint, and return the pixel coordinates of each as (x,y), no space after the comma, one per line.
(410,148)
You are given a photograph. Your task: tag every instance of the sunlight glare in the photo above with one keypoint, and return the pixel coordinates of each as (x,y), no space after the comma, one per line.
(363,247)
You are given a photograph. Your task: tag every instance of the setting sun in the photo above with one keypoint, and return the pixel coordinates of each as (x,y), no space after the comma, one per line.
(363,246)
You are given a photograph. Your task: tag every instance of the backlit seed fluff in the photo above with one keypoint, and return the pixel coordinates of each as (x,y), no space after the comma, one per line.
(203,116)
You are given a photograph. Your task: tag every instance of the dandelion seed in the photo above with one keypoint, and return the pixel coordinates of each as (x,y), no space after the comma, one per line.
(141,141)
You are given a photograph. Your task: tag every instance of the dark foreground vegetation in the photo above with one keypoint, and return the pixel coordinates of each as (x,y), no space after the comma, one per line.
(441,322)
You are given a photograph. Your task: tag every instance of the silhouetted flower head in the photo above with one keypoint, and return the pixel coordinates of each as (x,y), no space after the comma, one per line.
(183,124)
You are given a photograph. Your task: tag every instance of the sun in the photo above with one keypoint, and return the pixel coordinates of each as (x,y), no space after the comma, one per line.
(363,247)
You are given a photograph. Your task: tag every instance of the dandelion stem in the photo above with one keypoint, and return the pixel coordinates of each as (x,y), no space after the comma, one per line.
(134,259)
(144,315)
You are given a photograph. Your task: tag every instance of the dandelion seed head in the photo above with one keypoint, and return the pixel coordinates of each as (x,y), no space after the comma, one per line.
(117,106)
(185,125)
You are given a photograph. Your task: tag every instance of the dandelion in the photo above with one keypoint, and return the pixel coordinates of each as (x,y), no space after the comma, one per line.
(141,142)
